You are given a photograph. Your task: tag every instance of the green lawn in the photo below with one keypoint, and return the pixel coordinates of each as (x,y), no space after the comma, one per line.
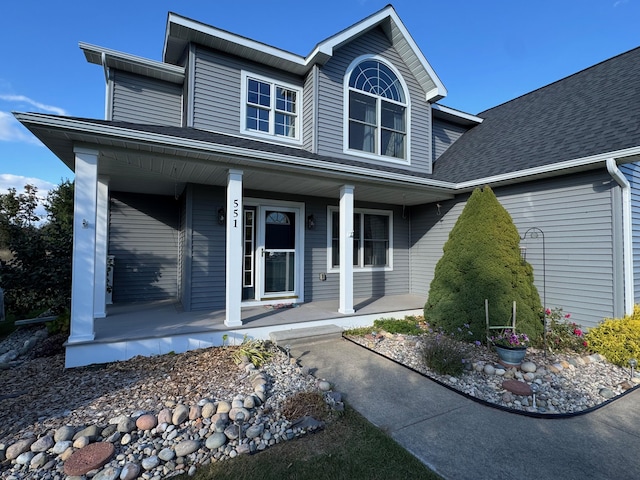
(349,448)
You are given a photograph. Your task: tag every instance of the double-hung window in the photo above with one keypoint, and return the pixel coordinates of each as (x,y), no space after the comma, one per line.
(372,233)
(377,111)
(270,108)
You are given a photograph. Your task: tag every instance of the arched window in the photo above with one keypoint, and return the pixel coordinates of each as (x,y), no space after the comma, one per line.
(377,110)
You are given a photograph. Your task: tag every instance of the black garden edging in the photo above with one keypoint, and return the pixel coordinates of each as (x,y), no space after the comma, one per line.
(546,416)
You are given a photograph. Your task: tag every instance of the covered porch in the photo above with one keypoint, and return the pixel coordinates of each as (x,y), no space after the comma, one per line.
(157,328)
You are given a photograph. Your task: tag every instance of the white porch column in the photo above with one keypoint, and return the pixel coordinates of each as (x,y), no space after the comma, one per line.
(346,249)
(102,242)
(84,245)
(234,249)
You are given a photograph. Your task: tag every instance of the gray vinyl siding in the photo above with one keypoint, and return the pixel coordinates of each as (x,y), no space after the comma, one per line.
(145,100)
(632,173)
(208,257)
(184,253)
(217,90)
(309,108)
(575,215)
(208,240)
(444,134)
(331,101)
(144,237)
(366,283)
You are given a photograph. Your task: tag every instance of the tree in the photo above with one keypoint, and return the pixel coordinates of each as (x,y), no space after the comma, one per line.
(37,274)
(482,260)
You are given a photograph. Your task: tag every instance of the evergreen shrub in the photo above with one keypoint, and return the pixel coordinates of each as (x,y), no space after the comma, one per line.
(481,260)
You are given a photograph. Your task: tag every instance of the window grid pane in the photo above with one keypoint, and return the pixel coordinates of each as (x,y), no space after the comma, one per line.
(257,119)
(259,93)
(285,125)
(285,100)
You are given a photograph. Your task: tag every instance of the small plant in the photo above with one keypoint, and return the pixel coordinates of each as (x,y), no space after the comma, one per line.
(358,331)
(444,354)
(562,334)
(255,351)
(225,339)
(62,324)
(407,326)
(617,339)
(510,339)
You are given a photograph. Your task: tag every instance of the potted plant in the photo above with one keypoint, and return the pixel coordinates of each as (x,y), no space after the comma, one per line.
(510,346)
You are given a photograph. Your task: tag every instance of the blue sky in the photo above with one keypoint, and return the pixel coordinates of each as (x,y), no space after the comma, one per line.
(484,52)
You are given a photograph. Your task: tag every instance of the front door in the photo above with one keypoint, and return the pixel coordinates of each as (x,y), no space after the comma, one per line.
(273,258)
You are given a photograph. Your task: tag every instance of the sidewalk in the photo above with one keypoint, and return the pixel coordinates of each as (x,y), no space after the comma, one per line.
(462,439)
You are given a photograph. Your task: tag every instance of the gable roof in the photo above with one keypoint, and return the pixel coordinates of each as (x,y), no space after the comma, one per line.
(593,112)
(182,30)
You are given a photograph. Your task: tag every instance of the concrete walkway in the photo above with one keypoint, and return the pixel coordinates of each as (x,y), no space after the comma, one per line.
(462,439)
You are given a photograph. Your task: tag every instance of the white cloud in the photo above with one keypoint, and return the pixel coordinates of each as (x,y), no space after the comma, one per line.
(12,131)
(33,103)
(8,180)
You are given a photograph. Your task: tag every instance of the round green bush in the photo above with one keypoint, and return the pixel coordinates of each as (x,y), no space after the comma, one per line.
(481,260)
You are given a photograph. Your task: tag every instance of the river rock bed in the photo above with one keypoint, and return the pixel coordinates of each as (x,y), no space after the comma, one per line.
(150,418)
(563,383)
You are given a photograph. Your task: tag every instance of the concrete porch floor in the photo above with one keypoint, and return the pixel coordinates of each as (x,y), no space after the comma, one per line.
(155,328)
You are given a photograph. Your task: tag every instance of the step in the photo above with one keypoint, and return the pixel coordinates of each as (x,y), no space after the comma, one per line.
(324,332)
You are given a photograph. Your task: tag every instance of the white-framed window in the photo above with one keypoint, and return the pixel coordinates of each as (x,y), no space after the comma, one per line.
(376,111)
(372,238)
(270,108)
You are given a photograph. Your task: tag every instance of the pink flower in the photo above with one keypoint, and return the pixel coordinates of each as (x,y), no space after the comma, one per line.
(548,311)
(568,315)
(577,332)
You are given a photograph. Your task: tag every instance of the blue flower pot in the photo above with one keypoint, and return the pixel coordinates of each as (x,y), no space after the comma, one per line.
(511,356)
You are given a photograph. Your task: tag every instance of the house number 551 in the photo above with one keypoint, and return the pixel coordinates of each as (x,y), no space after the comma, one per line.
(236,204)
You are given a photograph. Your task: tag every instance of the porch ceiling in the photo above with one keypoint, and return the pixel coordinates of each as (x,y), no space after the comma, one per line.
(168,175)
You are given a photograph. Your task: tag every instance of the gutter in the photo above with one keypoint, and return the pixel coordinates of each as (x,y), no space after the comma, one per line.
(627,234)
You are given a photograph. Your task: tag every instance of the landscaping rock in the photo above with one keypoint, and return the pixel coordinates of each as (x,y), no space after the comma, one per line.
(89,458)
(517,387)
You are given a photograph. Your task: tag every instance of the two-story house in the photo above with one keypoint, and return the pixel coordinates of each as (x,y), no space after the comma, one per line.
(232,180)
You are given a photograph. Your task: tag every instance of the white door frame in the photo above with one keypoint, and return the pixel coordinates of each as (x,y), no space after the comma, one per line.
(298,208)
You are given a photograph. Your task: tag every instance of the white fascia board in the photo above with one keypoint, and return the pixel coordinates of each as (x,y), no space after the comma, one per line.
(231,38)
(178,143)
(440,91)
(94,54)
(601,158)
(344,36)
(456,113)
(327,46)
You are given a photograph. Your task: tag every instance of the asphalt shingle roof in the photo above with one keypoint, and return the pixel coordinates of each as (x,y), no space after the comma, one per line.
(594,111)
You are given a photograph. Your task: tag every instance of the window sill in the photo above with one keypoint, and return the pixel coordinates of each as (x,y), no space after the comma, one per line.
(380,158)
(363,269)
(272,138)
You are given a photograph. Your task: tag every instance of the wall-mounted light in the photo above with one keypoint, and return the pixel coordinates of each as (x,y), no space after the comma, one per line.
(222,217)
(311,222)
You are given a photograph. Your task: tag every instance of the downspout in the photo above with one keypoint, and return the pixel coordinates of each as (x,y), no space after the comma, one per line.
(627,236)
